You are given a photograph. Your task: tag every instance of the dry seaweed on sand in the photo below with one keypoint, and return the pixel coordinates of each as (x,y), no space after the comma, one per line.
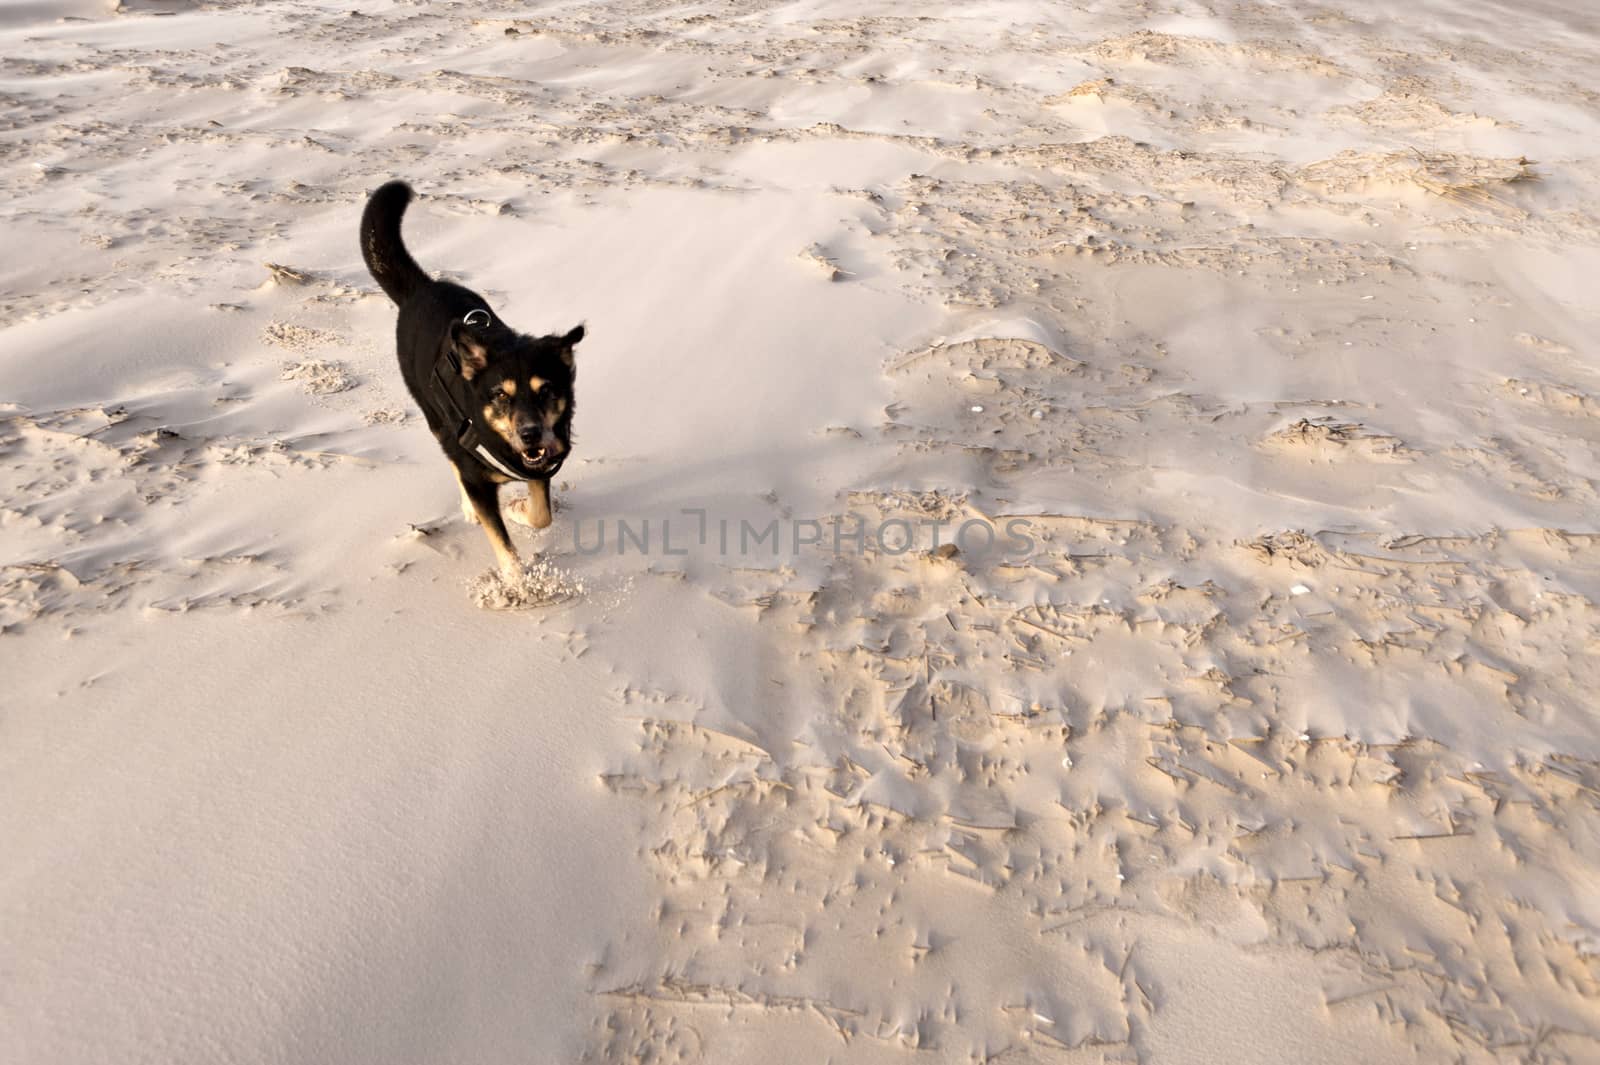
(1474,180)
(1470,179)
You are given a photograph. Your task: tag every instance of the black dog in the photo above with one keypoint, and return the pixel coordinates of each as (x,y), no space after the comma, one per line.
(500,403)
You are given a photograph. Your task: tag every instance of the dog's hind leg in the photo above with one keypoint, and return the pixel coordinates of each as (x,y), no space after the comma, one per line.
(485,500)
(534,511)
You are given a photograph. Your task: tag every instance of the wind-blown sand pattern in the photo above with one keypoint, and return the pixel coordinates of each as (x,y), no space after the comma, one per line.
(1272,323)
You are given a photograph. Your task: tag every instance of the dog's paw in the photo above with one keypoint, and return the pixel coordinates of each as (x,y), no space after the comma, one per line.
(538,583)
(527,512)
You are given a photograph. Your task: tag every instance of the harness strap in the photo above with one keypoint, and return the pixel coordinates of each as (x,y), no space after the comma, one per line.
(483,453)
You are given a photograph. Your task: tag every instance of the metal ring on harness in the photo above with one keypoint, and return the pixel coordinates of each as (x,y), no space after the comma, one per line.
(469,319)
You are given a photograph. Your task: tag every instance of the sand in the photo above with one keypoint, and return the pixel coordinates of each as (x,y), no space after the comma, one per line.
(1268,329)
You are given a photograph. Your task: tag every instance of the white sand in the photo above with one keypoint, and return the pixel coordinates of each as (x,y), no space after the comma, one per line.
(1274,320)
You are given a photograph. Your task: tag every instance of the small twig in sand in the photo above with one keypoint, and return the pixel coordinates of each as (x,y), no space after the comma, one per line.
(1069,637)
(1332,1002)
(681,991)
(287,275)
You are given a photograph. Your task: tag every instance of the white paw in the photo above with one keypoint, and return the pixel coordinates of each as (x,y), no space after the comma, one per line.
(524,512)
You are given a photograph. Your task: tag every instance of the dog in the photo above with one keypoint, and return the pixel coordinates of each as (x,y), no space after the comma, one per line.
(499,402)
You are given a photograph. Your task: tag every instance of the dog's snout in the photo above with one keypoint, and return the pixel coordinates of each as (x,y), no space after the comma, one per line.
(538,444)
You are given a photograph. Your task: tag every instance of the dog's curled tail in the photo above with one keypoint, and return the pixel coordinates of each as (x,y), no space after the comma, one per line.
(396,272)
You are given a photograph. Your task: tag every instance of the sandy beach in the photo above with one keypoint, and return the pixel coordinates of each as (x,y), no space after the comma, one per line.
(1082,543)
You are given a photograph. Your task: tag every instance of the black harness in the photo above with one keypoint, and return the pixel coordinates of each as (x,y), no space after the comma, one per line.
(448,391)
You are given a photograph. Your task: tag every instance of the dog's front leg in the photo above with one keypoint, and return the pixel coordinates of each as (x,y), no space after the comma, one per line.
(485,499)
(533,511)
(469,510)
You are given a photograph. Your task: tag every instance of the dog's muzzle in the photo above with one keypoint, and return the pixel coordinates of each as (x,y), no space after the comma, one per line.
(538,463)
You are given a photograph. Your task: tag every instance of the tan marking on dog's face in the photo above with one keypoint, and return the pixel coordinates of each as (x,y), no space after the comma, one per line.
(500,423)
(536,383)
(509,387)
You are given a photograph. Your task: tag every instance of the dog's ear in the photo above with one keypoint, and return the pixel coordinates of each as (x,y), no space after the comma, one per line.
(569,342)
(469,350)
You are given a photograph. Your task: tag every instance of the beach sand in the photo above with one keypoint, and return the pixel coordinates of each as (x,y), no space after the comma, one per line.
(1267,327)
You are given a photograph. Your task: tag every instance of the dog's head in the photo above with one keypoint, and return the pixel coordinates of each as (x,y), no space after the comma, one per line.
(522,387)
